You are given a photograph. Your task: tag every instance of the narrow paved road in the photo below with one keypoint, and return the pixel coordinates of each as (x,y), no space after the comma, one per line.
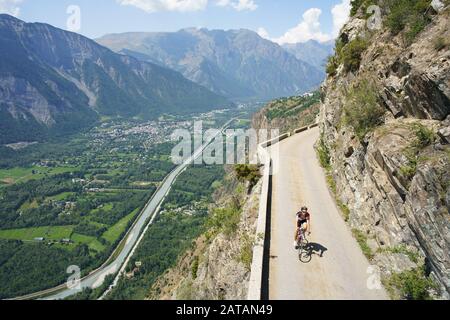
(342,271)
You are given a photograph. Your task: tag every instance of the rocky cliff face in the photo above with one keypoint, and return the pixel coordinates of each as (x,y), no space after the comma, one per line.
(392,171)
(218,266)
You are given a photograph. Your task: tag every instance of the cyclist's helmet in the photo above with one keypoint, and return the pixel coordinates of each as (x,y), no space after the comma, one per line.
(304,209)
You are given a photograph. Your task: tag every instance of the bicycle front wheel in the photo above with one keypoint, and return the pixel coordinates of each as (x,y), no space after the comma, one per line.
(304,256)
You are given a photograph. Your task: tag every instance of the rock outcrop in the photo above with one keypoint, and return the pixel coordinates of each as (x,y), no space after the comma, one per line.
(288,114)
(396,178)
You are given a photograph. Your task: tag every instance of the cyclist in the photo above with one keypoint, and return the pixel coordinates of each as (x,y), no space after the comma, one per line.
(303,221)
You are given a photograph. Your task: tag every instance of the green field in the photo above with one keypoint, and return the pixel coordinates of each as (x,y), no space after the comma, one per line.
(29,234)
(29,205)
(16,175)
(92,242)
(106,207)
(113,233)
(243,122)
(61,196)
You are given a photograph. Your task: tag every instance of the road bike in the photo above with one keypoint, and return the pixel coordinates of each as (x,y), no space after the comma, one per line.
(302,245)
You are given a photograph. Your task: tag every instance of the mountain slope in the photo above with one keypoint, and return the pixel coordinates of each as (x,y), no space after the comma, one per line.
(236,63)
(313,52)
(53,82)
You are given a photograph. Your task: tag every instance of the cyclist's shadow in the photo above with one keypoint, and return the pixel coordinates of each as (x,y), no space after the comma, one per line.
(313,249)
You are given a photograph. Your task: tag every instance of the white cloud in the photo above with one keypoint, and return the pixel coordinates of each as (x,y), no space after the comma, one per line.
(310,28)
(186,5)
(239,5)
(166,5)
(223,3)
(341,14)
(245,5)
(10,7)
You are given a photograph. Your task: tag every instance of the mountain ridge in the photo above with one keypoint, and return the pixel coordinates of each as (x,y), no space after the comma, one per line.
(312,51)
(55,81)
(253,67)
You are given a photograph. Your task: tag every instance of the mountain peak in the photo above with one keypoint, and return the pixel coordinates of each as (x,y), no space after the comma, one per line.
(236,63)
(5,16)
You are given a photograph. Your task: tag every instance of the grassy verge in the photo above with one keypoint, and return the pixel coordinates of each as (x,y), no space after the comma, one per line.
(91,242)
(413,256)
(361,238)
(323,153)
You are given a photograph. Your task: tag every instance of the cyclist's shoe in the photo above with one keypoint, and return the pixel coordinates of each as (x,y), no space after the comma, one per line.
(295,245)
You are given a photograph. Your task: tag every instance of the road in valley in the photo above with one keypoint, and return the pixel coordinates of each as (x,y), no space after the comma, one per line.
(131,240)
(342,271)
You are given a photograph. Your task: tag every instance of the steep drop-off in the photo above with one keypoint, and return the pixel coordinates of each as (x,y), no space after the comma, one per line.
(218,265)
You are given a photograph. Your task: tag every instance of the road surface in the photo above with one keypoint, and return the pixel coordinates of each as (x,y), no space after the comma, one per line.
(342,271)
(131,240)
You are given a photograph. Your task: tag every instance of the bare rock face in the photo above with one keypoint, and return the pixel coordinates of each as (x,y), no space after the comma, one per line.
(397,191)
(222,275)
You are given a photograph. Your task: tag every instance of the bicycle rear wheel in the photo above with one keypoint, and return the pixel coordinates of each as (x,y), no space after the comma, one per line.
(303,254)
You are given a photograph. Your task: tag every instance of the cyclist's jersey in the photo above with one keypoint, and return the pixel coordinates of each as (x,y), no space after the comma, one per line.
(302,218)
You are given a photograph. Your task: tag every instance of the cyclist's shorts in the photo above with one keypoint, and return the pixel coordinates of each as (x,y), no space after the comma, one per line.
(301,222)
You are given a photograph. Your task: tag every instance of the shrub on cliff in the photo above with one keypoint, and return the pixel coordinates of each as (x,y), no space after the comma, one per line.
(424,136)
(362,110)
(408,14)
(412,284)
(351,54)
(248,173)
(357,4)
(332,66)
(324,153)
(224,220)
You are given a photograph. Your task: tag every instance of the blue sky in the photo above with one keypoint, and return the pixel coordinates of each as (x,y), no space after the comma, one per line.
(279,20)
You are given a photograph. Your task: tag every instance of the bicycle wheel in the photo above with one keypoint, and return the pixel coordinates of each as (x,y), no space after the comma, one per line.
(303,255)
